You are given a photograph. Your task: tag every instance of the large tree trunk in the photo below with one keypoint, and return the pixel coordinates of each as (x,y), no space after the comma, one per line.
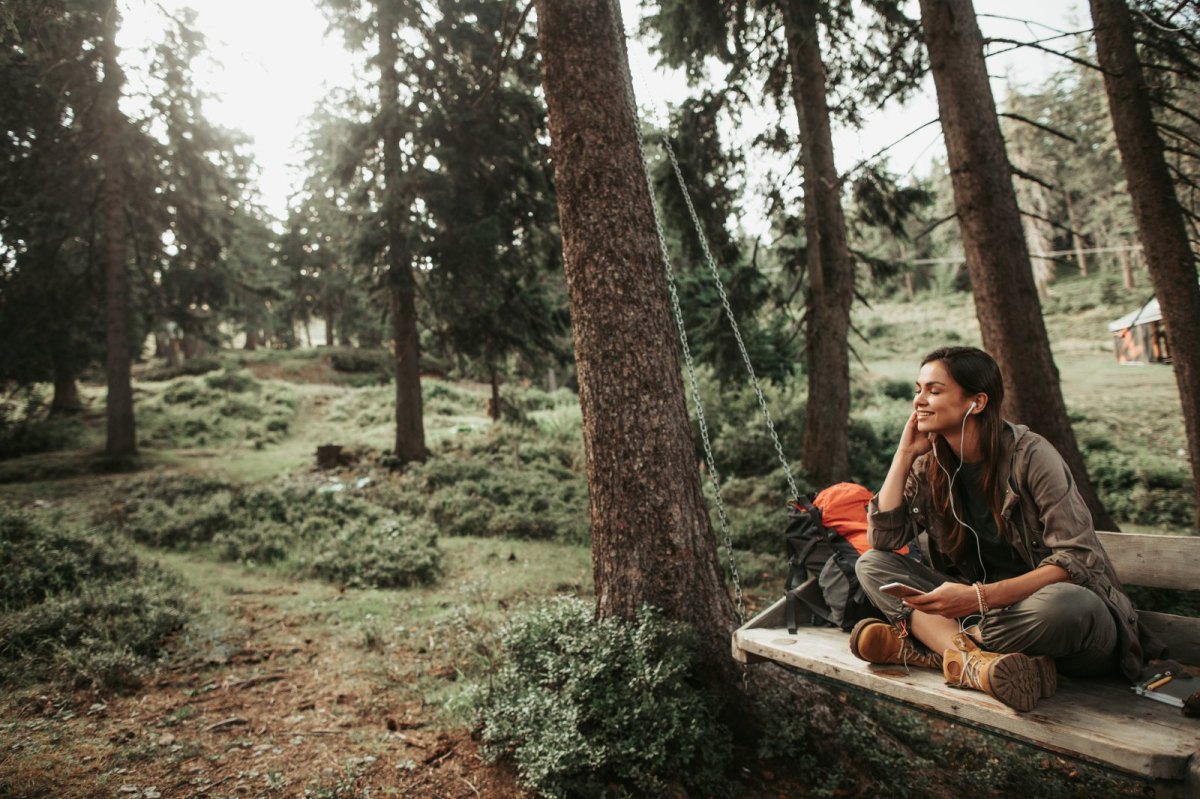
(1006,300)
(410,426)
(651,538)
(1156,208)
(121,441)
(66,399)
(830,268)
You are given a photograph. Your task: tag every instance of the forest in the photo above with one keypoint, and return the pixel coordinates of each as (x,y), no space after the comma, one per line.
(455,478)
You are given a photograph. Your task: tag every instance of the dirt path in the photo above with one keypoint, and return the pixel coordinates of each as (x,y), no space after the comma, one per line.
(282,697)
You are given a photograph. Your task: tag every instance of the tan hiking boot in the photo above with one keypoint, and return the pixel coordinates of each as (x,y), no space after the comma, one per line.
(1016,680)
(877,641)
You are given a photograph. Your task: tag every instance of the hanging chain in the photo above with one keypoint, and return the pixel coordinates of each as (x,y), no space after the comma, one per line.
(713,474)
(737,334)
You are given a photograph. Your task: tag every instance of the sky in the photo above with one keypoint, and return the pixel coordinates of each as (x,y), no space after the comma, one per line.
(276,60)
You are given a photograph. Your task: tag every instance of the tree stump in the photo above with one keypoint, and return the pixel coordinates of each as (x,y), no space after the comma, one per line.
(329,456)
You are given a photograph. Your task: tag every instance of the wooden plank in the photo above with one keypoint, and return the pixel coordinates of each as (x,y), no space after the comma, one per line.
(1180,633)
(1096,720)
(1159,561)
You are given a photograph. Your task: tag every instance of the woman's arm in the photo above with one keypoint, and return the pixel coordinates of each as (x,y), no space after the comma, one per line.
(912,445)
(955,600)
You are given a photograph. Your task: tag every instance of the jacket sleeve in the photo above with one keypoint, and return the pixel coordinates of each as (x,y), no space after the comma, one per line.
(1066,521)
(892,529)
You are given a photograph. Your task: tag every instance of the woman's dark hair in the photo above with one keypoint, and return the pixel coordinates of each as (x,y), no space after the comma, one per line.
(977,373)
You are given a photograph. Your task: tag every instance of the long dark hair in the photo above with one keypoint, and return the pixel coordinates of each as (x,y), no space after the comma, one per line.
(977,373)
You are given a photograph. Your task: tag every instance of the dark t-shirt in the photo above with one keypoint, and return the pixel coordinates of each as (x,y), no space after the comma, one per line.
(1000,560)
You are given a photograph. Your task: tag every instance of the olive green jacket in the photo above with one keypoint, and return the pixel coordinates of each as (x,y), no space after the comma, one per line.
(1045,521)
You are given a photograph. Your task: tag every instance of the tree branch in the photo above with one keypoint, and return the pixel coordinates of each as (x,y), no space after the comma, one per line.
(871,158)
(934,226)
(1039,125)
(1083,62)
(1032,178)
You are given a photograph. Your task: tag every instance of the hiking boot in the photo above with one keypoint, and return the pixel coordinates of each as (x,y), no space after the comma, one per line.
(1048,673)
(1015,679)
(878,642)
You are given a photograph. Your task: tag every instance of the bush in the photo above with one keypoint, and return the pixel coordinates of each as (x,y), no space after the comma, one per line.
(332,536)
(193,367)
(1142,489)
(603,708)
(369,362)
(27,429)
(78,607)
(222,408)
(507,482)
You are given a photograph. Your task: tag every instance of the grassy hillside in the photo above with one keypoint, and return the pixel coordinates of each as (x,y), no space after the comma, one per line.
(278,630)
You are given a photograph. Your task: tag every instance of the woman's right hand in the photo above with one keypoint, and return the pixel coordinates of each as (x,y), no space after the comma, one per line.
(913,443)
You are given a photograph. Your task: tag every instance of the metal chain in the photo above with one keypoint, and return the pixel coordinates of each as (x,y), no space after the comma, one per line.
(737,334)
(713,474)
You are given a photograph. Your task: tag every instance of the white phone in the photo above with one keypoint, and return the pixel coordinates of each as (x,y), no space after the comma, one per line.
(900,590)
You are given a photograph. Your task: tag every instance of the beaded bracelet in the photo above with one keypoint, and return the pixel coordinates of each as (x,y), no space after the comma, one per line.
(983,605)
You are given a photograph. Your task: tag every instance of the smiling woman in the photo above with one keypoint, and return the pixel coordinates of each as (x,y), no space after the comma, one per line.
(1016,584)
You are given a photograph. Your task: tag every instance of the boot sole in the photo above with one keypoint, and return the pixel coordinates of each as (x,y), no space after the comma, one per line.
(1048,673)
(1016,680)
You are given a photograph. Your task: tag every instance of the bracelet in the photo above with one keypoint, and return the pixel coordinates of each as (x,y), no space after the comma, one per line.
(983,605)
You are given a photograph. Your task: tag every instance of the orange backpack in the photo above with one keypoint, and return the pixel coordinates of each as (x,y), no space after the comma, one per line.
(824,539)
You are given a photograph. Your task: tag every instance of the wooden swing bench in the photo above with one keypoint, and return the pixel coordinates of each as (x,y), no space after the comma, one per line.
(1100,721)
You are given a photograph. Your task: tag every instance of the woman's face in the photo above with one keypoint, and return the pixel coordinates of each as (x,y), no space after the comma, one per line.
(940,402)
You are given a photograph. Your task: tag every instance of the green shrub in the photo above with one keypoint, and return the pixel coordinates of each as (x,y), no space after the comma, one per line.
(222,408)
(603,708)
(78,607)
(369,362)
(394,553)
(193,367)
(36,434)
(233,381)
(1143,488)
(333,536)
(503,483)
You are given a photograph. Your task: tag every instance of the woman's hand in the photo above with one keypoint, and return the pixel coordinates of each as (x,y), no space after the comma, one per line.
(913,443)
(952,600)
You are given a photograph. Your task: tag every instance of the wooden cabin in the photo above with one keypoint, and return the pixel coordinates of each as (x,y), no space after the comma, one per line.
(1140,336)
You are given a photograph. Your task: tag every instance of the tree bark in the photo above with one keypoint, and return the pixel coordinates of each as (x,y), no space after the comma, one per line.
(1160,218)
(1006,300)
(830,268)
(494,405)
(1076,238)
(66,399)
(121,440)
(252,338)
(410,426)
(651,538)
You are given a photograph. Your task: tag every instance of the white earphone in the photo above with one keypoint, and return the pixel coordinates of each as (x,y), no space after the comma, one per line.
(950,490)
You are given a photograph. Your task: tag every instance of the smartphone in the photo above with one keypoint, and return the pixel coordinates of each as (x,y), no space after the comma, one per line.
(900,590)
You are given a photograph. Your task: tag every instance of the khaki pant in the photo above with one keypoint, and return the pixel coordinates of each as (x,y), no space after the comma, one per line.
(1065,621)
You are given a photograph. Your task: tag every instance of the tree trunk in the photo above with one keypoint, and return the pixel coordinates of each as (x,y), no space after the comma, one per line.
(651,538)
(329,331)
(1156,208)
(494,405)
(252,338)
(66,399)
(1126,267)
(1006,301)
(830,268)
(1076,237)
(121,441)
(410,427)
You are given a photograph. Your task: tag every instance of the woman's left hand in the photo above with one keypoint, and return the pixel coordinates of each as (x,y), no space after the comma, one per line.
(952,600)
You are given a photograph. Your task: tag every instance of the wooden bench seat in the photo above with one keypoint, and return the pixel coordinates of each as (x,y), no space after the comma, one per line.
(1102,721)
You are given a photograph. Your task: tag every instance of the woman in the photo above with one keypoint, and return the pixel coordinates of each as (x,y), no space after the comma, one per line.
(1016,582)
